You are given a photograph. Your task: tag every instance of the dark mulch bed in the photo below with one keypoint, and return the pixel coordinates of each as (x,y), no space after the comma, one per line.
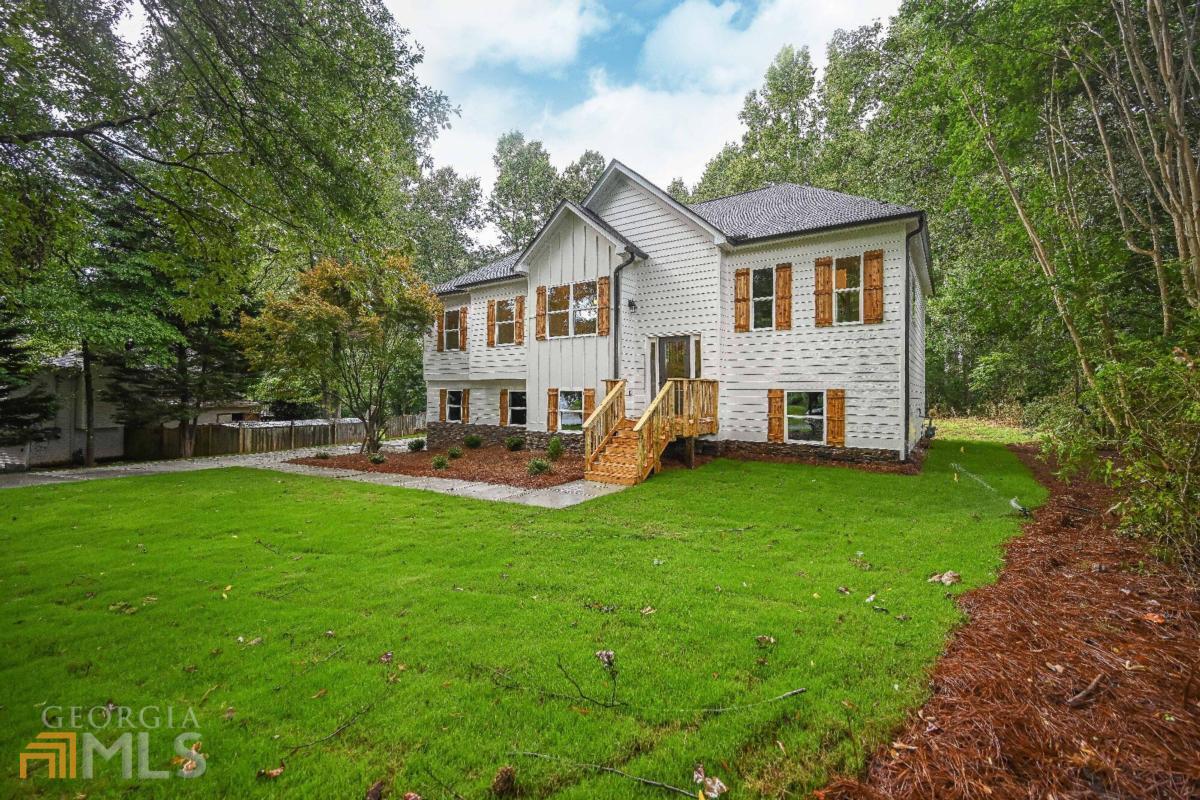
(493,464)
(1075,677)
(916,458)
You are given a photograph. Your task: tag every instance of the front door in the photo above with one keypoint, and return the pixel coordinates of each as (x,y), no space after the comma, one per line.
(674,358)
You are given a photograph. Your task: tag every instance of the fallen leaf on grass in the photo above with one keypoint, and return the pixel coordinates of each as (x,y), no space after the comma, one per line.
(255,642)
(764,640)
(272,774)
(229,712)
(412,796)
(386,658)
(504,784)
(710,785)
(648,610)
(870,598)
(843,590)
(320,693)
(376,792)
(945,578)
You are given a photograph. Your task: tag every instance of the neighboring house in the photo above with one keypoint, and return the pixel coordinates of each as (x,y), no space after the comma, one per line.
(787,319)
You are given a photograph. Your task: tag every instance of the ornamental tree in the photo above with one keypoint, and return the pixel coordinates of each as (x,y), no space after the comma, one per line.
(349,327)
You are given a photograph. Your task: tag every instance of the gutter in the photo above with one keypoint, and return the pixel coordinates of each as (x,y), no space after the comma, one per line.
(616,306)
(920,229)
(746,241)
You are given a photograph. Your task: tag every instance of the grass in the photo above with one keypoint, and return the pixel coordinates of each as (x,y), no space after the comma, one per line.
(981,429)
(137,590)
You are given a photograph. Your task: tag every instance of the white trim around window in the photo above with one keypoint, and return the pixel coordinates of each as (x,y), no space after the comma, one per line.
(848,270)
(447,329)
(570,410)
(804,417)
(506,322)
(518,412)
(762,279)
(571,310)
(454,405)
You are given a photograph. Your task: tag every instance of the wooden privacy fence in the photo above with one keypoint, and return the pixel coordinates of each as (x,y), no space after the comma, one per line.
(257,437)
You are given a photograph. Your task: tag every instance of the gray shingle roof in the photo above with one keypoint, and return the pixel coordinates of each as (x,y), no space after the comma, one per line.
(787,208)
(496,270)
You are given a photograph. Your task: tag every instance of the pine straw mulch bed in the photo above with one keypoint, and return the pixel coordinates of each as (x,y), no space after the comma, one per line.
(1075,677)
(492,464)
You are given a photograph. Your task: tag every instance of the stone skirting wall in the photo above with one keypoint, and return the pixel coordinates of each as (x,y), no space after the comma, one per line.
(800,452)
(440,435)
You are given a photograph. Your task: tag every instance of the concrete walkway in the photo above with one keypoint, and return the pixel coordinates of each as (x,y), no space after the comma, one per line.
(562,496)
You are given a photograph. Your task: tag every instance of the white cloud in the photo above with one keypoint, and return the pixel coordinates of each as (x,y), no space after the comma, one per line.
(711,45)
(532,35)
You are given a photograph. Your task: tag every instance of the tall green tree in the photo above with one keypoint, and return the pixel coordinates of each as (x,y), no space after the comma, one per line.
(443,210)
(526,190)
(24,407)
(580,175)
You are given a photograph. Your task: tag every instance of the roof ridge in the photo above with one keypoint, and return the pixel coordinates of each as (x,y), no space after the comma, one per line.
(739,194)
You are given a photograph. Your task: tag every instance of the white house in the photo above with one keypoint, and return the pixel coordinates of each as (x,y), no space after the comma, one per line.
(781,320)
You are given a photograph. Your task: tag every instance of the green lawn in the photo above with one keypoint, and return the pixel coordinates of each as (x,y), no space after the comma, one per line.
(116,590)
(981,429)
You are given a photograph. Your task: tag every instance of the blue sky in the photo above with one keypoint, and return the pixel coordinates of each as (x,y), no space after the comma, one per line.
(657,83)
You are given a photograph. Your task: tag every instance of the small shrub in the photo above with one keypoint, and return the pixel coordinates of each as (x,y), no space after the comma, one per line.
(416,445)
(377,458)
(473,441)
(455,452)
(440,462)
(322,454)
(538,466)
(514,443)
(555,449)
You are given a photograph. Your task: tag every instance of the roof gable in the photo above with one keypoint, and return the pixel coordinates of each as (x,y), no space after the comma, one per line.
(588,217)
(616,170)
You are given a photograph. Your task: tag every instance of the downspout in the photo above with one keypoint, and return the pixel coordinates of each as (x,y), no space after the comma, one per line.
(907,323)
(629,257)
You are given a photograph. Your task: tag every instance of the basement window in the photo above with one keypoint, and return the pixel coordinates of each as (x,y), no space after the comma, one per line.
(570,410)
(454,404)
(516,408)
(806,417)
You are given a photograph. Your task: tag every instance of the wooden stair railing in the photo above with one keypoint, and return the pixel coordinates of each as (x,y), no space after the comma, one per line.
(599,428)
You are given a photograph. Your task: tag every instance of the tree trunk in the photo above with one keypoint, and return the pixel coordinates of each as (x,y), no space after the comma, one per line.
(89,407)
(187,437)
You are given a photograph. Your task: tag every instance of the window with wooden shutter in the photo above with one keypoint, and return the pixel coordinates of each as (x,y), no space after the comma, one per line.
(873,287)
(504,406)
(441,330)
(741,300)
(823,291)
(589,403)
(552,410)
(519,315)
(462,328)
(442,405)
(491,323)
(775,415)
(602,305)
(783,297)
(835,417)
(466,406)
(540,322)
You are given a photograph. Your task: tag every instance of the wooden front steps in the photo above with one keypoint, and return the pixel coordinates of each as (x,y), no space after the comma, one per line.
(617,460)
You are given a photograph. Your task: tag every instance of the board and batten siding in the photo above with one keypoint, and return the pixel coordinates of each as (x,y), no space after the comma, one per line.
(677,289)
(571,251)
(863,359)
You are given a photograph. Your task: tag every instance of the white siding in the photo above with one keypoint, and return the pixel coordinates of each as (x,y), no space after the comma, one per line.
(571,251)
(862,359)
(449,364)
(484,405)
(916,353)
(71,420)
(503,361)
(677,290)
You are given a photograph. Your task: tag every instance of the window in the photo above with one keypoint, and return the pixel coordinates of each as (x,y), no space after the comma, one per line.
(847,290)
(506,321)
(516,408)
(763,297)
(571,309)
(454,403)
(806,417)
(450,328)
(570,410)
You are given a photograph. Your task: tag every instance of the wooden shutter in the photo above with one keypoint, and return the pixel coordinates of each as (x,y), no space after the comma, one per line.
(442,405)
(741,300)
(519,313)
(540,323)
(504,406)
(491,323)
(783,297)
(835,417)
(873,286)
(462,328)
(466,406)
(589,403)
(775,415)
(823,291)
(551,408)
(602,305)
(441,331)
